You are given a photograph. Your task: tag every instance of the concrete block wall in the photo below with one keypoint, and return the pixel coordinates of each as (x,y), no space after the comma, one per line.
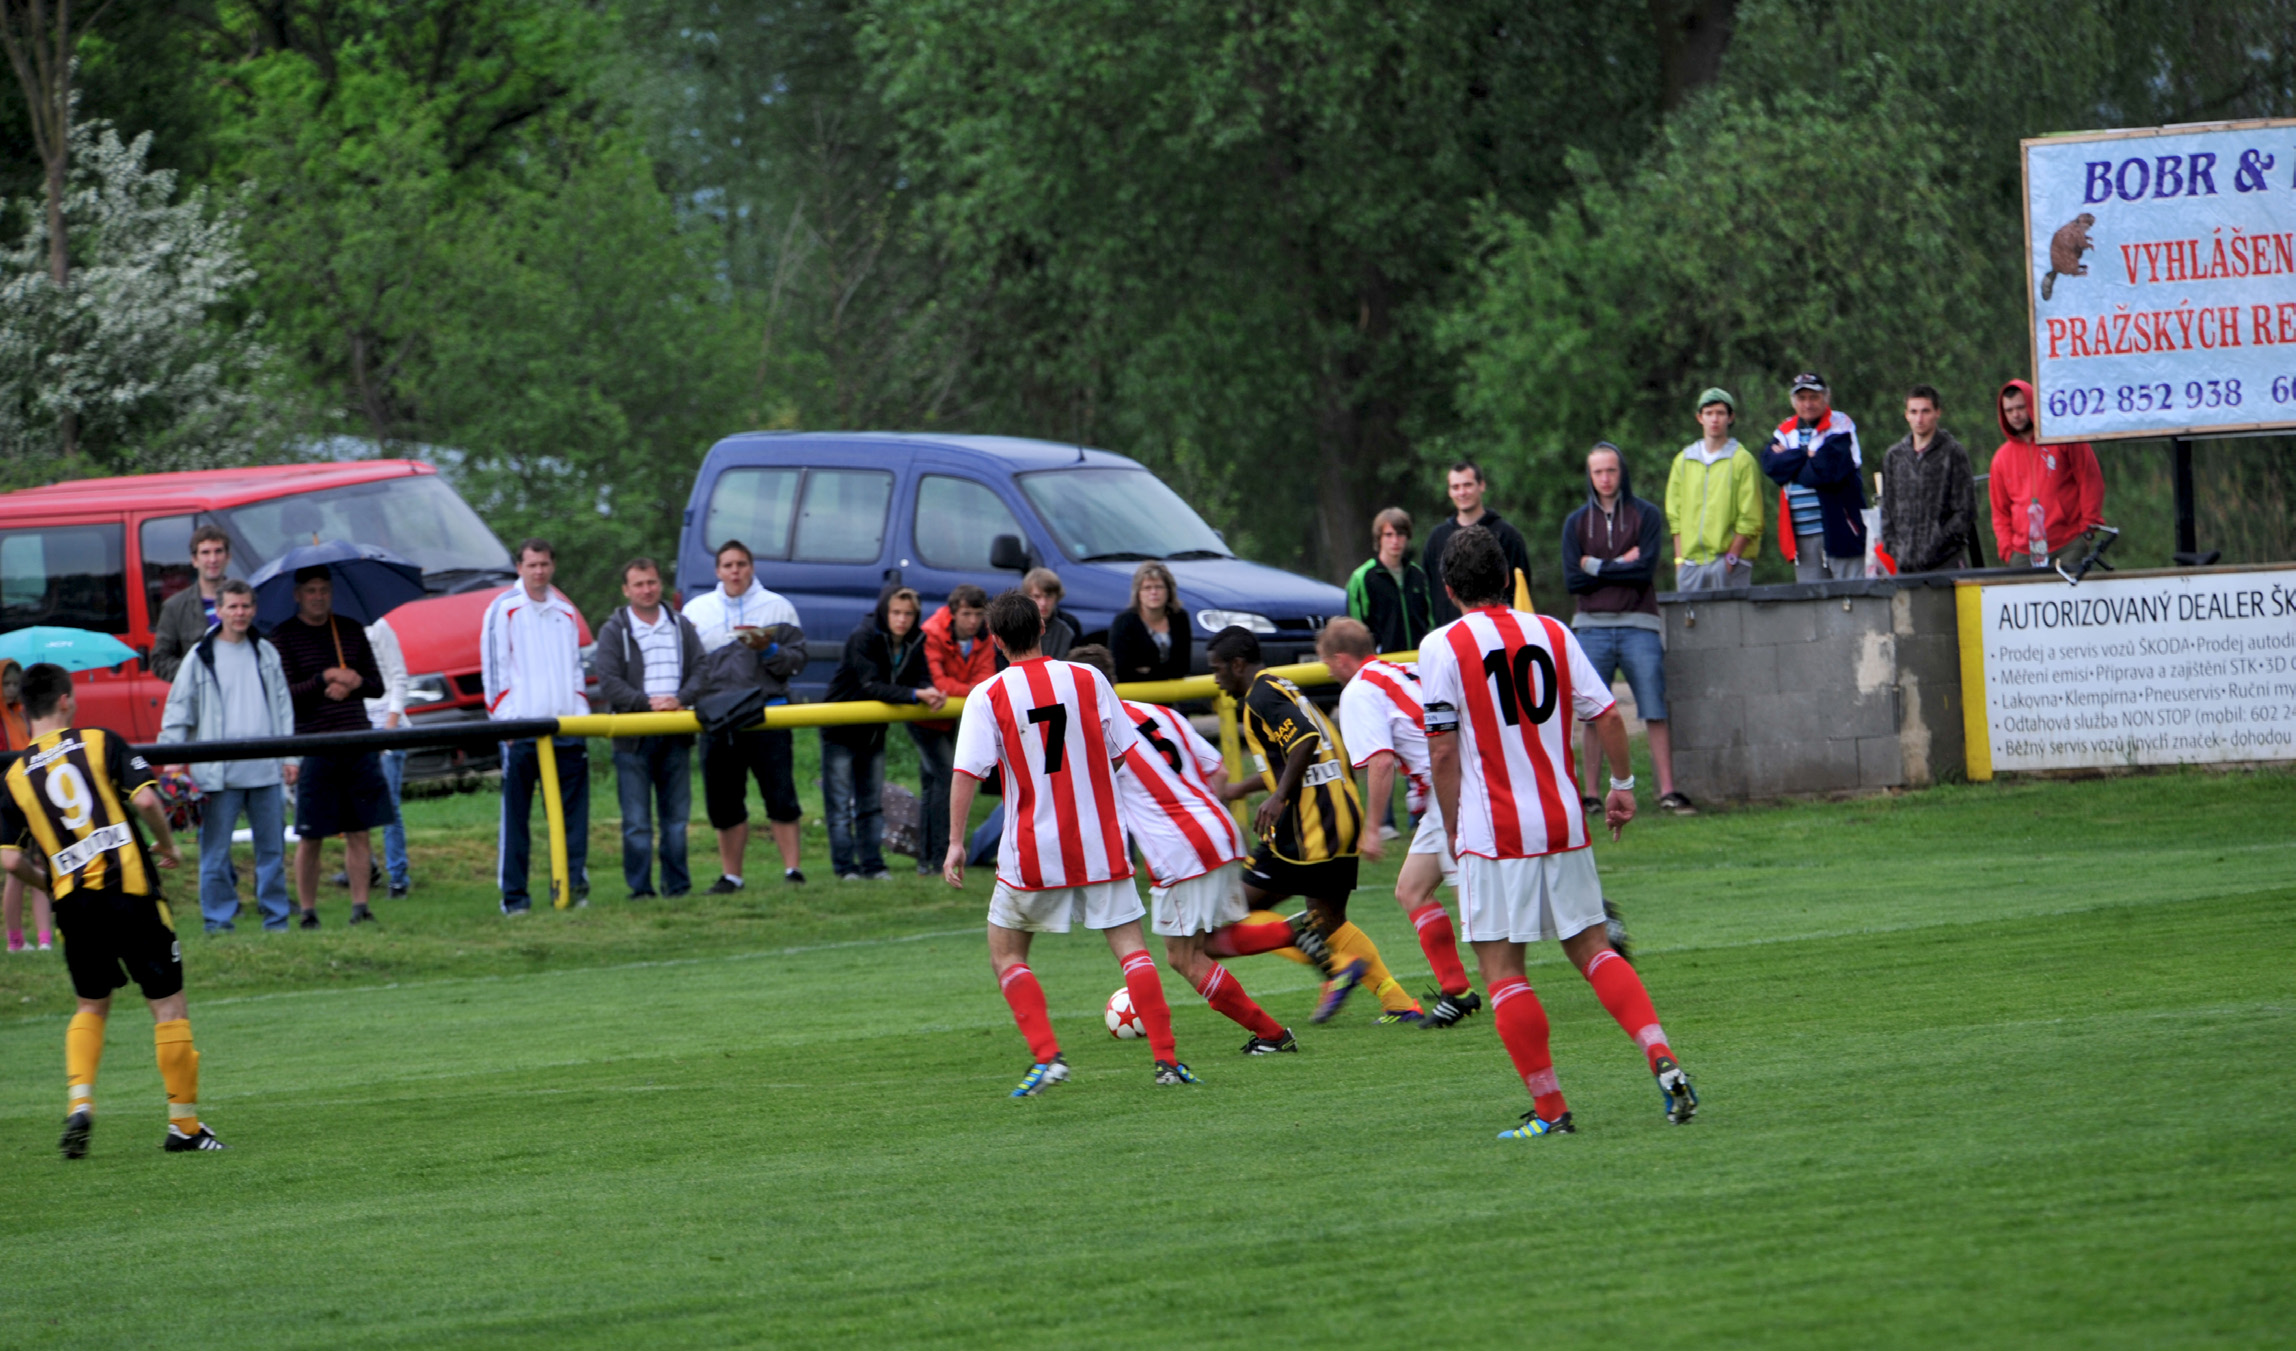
(1828,688)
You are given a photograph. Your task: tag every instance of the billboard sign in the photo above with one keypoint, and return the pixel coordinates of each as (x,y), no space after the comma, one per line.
(2172,668)
(2160,265)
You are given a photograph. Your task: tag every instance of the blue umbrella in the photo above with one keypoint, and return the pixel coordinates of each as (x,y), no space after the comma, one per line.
(369,582)
(72,649)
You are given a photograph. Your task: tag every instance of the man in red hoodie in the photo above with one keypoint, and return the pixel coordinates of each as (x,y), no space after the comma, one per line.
(2063,478)
(959,655)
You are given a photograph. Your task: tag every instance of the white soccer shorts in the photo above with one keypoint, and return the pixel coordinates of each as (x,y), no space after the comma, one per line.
(1528,900)
(1200,904)
(1100,905)
(1430,839)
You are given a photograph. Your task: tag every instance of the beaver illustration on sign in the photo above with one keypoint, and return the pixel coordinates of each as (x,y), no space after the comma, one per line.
(2065,250)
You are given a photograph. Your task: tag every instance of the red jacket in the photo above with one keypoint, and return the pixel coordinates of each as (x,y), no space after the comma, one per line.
(955,673)
(2064,477)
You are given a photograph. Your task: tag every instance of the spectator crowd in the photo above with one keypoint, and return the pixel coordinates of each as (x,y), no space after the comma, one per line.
(733,650)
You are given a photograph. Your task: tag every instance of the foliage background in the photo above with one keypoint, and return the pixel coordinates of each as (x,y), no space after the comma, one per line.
(1294,258)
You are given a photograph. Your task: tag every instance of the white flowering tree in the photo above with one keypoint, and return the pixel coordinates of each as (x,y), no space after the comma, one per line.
(142,360)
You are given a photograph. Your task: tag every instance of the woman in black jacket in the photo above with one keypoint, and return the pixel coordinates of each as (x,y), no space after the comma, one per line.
(884,661)
(1150,637)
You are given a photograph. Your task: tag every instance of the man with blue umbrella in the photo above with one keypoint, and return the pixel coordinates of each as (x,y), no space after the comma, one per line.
(328,662)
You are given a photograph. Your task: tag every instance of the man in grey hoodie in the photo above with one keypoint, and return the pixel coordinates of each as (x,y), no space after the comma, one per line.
(231,687)
(1611,550)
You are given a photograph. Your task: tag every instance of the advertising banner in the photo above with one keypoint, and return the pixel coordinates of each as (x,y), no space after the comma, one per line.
(2161,269)
(2166,668)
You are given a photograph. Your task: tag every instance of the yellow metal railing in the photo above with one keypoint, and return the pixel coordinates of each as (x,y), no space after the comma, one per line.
(790,716)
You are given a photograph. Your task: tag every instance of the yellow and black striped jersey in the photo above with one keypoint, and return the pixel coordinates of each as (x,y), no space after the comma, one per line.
(67,797)
(1324,816)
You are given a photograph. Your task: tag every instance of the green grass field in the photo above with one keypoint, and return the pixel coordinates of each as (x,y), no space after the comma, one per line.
(1984,1065)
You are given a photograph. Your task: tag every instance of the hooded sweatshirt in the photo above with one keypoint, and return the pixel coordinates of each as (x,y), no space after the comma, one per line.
(2064,477)
(955,671)
(1615,594)
(876,666)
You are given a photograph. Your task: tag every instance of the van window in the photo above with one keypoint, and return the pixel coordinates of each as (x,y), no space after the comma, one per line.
(165,542)
(753,506)
(72,575)
(957,519)
(418,517)
(844,516)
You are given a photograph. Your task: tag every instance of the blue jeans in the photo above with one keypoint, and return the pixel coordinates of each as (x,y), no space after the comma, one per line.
(937,759)
(521,774)
(1638,652)
(650,772)
(266,810)
(853,789)
(395,834)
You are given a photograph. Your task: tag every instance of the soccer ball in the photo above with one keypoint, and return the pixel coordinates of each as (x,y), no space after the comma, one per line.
(1123,1020)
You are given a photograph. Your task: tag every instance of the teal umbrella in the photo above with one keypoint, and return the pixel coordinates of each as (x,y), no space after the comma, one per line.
(72,649)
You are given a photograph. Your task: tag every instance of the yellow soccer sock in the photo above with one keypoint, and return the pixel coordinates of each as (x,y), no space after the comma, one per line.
(1349,943)
(83,1051)
(179,1070)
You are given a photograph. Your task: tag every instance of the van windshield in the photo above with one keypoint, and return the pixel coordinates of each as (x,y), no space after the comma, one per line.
(418,517)
(1119,516)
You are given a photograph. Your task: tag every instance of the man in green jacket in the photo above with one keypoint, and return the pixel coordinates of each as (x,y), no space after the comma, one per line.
(1714,503)
(1389,593)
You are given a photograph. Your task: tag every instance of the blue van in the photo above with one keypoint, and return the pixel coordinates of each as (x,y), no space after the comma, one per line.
(833,517)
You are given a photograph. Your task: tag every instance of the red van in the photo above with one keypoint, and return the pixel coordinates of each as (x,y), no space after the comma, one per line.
(102,554)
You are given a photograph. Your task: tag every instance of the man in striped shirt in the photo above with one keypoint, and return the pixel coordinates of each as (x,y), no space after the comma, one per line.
(1057,731)
(1168,797)
(1500,690)
(1384,723)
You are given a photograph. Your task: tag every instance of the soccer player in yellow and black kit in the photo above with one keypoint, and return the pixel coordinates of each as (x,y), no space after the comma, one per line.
(74,797)
(1308,825)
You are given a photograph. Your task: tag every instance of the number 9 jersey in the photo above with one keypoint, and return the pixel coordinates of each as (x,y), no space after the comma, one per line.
(67,798)
(1507,684)
(1057,729)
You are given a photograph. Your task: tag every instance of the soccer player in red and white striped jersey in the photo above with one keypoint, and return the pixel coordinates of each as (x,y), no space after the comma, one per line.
(1500,688)
(1383,721)
(1057,731)
(1168,789)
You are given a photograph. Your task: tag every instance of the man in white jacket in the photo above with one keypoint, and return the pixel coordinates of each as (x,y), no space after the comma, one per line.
(230,687)
(386,714)
(739,610)
(530,660)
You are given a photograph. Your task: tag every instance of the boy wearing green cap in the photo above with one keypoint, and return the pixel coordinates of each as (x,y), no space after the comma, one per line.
(1714,503)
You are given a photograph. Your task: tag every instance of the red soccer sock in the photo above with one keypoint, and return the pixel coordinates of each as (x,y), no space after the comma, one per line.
(1147,986)
(1027,1000)
(1441,944)
(1247,938)
(1620,991)
(1522,1025)
(1226,996)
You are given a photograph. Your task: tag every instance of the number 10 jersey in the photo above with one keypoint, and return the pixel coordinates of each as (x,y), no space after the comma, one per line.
(1507,685)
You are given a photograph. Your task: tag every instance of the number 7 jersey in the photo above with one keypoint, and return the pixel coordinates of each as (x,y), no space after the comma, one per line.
(1507,685)
(1056,728)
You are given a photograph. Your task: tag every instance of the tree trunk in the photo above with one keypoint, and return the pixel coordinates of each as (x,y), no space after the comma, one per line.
(1692,36)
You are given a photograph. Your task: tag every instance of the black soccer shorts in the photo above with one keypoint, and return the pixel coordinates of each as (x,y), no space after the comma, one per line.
(1325,885)
(111,938)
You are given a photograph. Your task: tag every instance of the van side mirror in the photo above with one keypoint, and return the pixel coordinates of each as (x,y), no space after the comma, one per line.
(1008,554)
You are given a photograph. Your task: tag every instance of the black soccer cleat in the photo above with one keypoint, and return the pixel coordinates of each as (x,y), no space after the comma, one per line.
(360,914)
(1614,928)
(1309,940)
(724,886)
(310,920)
(202,1139)
(1173,1072)
(1447,1010)
(1041,1076)
(1282,1045)
(1674,1087)
(77,1128)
